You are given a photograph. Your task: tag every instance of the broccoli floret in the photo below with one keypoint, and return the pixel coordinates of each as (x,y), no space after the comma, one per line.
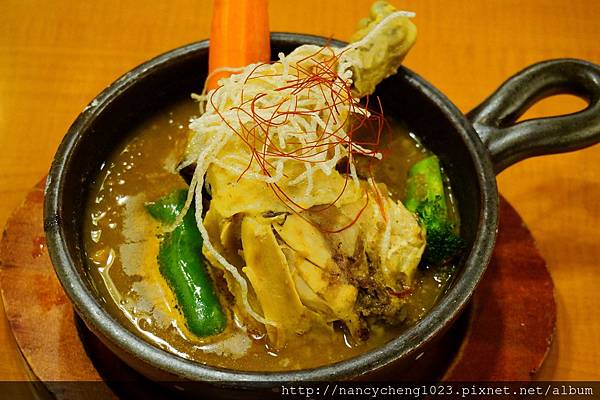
(425,197)
(443,244)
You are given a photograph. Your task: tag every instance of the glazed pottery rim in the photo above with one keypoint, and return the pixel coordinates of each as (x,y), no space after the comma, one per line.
(407,344)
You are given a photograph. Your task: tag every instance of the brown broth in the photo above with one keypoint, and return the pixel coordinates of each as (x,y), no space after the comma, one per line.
(121,242)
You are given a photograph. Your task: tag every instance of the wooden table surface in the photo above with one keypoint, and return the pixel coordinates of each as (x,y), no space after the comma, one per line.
(56,55)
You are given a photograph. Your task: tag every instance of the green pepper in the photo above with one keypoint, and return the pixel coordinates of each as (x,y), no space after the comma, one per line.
(182,265)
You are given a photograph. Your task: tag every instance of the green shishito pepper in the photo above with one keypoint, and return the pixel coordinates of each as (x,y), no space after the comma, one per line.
(426,198)
(181,264)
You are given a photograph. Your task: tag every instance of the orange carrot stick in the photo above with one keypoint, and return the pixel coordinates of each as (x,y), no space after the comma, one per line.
(239,36)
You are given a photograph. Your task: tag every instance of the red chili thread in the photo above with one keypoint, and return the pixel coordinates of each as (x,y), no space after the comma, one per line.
(309,73)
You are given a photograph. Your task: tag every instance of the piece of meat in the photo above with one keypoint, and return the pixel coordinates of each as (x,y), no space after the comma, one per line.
(305,239)
(313,262)
(269,274)
(379,257)
(394,246)
(275,194)
(378,47)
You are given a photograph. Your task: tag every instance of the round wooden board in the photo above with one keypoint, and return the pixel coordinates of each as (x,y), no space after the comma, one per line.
(509,325)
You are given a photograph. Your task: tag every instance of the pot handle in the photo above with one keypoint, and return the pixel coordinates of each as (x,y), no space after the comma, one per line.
(494,119)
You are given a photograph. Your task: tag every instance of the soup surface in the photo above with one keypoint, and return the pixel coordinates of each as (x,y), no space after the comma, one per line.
(122,241)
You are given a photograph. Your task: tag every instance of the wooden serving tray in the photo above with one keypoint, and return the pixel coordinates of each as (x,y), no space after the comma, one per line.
(505,334)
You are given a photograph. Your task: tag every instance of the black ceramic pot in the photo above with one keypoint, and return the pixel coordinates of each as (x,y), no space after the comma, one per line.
(472,149)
